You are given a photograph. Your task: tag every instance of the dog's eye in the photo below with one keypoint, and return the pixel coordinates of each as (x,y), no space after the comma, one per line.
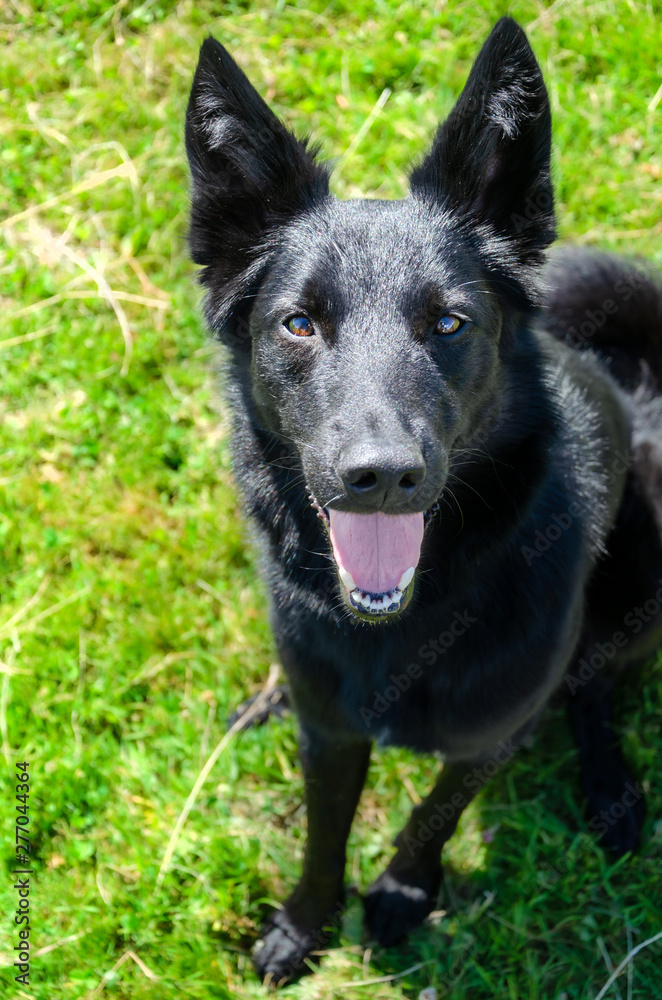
(300,326)
(448,325)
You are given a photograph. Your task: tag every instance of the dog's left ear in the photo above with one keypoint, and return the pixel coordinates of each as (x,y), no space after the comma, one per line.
(490,159)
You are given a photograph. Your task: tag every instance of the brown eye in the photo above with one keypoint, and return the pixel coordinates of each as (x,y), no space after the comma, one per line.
(449,325)
(300,326)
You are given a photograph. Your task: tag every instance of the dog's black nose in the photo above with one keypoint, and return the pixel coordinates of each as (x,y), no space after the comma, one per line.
(381,477)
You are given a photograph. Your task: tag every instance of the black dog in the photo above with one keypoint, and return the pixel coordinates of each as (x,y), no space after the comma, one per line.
(458,488)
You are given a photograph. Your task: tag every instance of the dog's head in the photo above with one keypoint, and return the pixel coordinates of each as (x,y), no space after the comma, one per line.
(375,332)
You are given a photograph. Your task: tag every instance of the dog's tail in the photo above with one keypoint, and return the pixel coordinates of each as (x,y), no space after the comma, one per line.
(612,306)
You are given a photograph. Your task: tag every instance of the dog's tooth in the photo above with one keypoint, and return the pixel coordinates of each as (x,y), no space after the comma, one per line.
(385,603)
(346,578)
(406,578)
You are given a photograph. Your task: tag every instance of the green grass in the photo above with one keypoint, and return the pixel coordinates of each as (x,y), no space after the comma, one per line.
(118,514)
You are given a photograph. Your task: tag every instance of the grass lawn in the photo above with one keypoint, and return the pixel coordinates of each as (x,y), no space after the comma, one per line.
(131,618)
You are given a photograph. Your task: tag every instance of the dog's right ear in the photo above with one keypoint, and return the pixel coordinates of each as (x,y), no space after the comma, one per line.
(249,174)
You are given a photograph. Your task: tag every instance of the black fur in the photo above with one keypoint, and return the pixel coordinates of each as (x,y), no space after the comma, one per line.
(542,450)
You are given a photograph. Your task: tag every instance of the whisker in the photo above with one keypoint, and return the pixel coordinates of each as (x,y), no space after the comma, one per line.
(463,482)
(459,506)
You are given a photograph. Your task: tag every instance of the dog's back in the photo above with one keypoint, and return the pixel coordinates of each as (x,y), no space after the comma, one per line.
(601,302)
(613,307)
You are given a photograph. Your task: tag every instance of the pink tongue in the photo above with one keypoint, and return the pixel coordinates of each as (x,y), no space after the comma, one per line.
(376,548)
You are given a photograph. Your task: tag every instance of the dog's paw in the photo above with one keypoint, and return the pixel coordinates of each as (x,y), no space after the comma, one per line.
(616,808)
(285,943)
(396,903)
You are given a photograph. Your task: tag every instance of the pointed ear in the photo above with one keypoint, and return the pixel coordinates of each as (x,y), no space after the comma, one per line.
(490,159)
(249,172)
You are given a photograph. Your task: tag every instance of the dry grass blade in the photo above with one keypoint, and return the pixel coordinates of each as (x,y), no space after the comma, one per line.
(593,235)
(4,728)
(142,300)
(383,98)
(46,131)
(245,717)
(146,672)
(628,958)
(393,977)
(107,293)
(47,949)
(656,99)
(610,965)
(108,976)
(10,626)
(95,180)
(547,16)
(22,612)
(27,337)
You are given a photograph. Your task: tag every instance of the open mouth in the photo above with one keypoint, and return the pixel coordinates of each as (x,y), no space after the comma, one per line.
(376,556)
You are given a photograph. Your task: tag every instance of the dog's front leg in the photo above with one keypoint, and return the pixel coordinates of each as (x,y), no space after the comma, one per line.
(334,773)
(407,891)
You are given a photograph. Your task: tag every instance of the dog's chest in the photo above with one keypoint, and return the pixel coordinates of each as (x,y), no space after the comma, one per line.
(454,680)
